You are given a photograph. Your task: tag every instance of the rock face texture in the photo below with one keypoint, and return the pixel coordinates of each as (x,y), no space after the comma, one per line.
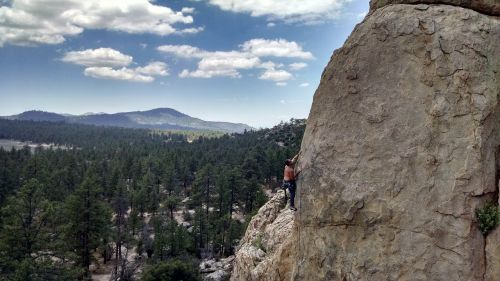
(213,270)
(265,250)
(493,255)
(401,147)
(489,7)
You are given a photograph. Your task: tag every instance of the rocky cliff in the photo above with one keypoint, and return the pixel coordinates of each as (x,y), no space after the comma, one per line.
(401,147)
(265,250)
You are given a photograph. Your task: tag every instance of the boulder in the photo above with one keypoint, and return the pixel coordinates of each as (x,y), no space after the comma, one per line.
(216,270)
(400,149)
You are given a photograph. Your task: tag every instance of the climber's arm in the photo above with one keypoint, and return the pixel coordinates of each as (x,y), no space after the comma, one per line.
(296,170)
(294,159)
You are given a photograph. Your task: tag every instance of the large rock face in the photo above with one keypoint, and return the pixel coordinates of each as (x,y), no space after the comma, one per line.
(489,7)
(265,250)
(400,149)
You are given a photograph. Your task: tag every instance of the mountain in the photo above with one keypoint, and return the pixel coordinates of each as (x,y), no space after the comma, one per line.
(36,115)
(159,118)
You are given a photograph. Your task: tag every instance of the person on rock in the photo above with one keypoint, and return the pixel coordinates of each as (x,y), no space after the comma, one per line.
(289,176)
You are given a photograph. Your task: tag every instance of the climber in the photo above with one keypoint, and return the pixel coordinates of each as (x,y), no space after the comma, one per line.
(289,176)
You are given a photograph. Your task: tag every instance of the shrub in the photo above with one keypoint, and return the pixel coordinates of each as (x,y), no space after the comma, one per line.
(487,217)
(171,270)
(257,243)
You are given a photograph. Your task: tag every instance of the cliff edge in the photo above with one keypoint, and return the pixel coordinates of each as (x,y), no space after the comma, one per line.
(265,250)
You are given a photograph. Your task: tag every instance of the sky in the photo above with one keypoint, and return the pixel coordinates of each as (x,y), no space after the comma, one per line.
(250,61)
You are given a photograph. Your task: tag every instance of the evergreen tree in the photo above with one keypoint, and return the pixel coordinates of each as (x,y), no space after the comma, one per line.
(121,231)
(89,221)
(26,249)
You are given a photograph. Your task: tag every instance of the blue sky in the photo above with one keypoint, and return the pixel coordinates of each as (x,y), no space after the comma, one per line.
(251,61)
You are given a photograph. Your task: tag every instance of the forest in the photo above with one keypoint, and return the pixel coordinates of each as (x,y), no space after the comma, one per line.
(143,203)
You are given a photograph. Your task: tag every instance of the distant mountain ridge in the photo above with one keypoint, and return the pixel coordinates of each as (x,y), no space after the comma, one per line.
(158,118)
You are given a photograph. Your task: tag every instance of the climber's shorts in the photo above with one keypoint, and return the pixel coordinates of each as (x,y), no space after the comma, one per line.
(291,185)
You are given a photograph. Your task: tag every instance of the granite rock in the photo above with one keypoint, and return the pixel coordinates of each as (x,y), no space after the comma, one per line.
(265,251)
(489,7)
(392,175)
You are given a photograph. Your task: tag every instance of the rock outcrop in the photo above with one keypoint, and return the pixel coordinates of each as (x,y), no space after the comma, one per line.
(265,250)
(400,149)
(489,7)
(216,270)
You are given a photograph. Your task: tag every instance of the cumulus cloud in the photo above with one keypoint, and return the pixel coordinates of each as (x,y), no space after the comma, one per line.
(183,51)
(297,65)
(275,48)
(292,11)
(277,75)
(209,73)
(98,57)
(271,24)
(223,64)
(117,74)
(191,30)
(281,84)
(269,65)
(156,68)
(107,63)
(304,85)
(187,10)
(229,63)
(29,23)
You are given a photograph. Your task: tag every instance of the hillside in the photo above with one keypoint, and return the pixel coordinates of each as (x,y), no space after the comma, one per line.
(144,200)
(159,118)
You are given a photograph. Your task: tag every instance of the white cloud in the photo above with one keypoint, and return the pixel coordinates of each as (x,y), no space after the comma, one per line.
(233,59)
(105,63)
(222,64)
(281,84)
(154,68)
(116,74)
(301,11)
(268,65)
(275,48)
(29,23)
(233,73)
(183,51)
(192,30)
(187,10)
(98,57)
(276,75)
(297,65)
(229,63)
(271,24)
(304,85)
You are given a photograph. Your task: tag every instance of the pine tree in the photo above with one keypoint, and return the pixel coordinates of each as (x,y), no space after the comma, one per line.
(26,247)
(89,221)
(120,207)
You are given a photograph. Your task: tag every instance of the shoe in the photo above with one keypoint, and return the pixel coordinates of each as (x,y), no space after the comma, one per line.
(293,208)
